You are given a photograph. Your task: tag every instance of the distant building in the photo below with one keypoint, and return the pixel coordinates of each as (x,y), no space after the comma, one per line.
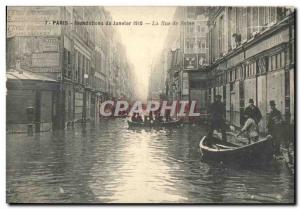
(188,56)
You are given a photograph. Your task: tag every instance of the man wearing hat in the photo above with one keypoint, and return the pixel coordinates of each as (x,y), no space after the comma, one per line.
(217,117)
(274,126)
(253,111)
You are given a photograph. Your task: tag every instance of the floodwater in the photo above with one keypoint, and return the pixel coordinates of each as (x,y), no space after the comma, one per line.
(110,163)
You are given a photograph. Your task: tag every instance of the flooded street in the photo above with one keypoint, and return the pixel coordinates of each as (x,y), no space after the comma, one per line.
(110,163)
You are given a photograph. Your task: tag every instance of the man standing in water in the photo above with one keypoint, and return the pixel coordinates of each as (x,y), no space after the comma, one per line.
(217,117)
(274,126)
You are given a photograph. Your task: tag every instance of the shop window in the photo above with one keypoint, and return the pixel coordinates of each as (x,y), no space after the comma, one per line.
(191,45)
(272,14)
(274,62)
(231,86)
(187,44)
(293,53)
(250,69)
(282,59)
(65,56)
(265,65)
(287,83)
(69,57)
(278,60)
(258,68)
(235,73)
(198,28)
(270,63)
(241,72)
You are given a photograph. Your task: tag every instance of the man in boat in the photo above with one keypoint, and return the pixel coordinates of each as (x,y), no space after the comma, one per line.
(253,111)
(217,117)
(275,127)
(134,117)
(251,128)
(139,118)
(168,115)
(151,115)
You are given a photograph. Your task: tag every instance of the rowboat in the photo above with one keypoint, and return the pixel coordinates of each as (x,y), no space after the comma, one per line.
(257,153)
(172,123)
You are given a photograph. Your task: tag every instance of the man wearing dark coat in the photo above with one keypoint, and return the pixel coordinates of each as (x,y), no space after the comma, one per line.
(253,111)
(217,117)
(275,127)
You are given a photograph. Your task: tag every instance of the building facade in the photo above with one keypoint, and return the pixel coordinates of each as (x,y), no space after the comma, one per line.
(188,56)
(252,57)
(248,54)
(73,46)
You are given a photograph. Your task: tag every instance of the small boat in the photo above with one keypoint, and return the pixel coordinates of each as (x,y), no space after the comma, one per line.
(257,153)
(172,123)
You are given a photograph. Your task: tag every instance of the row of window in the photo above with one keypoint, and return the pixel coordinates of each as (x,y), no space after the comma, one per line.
(260,66)
(190,44)
(98,83)
(82,69)
(243,23)
(198,28)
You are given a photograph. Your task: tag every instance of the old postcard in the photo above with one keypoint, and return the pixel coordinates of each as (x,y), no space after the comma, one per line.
(150,104)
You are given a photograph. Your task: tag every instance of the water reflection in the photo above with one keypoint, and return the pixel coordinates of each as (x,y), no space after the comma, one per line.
(109,162)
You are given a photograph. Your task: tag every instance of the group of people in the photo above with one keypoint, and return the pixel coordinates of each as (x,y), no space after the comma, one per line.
(152,117)
(252,117)
(136,117)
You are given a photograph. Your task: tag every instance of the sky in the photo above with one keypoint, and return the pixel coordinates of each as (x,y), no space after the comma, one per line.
(143,43)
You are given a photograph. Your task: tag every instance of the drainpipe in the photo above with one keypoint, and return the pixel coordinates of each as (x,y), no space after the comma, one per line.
(61,112)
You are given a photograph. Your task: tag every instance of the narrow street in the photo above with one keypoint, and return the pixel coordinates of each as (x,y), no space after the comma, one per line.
(109,162)
(108,104)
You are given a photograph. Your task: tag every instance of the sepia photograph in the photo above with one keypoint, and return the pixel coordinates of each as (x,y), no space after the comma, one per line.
(150,105)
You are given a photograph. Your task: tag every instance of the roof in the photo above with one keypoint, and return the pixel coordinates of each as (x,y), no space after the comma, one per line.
(26,75)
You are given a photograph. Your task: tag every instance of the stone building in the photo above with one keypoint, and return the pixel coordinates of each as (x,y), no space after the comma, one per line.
(70,46)
(188,56)
(252,56)
(249,53)
(28,91)
(158,74)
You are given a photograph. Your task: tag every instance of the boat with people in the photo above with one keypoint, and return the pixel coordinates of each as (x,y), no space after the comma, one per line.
(153,123)
(256,153)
